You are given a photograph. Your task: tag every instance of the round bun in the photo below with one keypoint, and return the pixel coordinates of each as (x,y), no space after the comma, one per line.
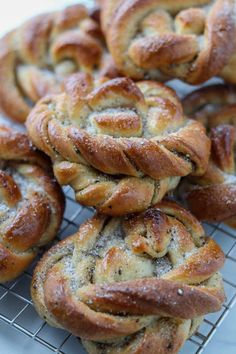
(37,56)
(212,197)
(191,40)
(138,284)
(120,145)
(31,205)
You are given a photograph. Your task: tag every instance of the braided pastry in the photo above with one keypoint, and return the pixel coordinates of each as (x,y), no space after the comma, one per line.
(121,146)
(138,284)
(31,203)
(192,40)
(212,197)
(35,58)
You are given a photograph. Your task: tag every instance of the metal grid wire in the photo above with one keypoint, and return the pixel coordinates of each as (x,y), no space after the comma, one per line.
(17,311)
(16,308)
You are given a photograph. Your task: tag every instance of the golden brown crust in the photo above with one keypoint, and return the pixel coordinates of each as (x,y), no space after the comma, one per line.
(120,145)
(37,56)
(121,298)
(212,105)
(212,196)
(31,204)
(191,40)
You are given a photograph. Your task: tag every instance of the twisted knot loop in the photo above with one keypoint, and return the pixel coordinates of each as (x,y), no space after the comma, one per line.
(113,140)
(190,40)
(118,281)
(215,107)
(36,57)
(31,203)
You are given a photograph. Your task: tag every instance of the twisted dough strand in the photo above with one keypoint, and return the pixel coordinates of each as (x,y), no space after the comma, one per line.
(118,281)
(31,203)
(191,40)
(36,57)
(213,196)
(120,145)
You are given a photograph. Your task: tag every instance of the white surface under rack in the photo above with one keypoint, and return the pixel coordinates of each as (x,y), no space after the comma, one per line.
(21,329)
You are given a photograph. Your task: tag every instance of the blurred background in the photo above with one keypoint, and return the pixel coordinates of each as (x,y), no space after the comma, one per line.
(14,12)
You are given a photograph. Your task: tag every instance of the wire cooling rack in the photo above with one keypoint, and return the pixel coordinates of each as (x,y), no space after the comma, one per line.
(17,311)
(20,326)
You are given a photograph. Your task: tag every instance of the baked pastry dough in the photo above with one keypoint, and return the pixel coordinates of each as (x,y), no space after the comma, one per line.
(191,40)
(36,57)
(120,145)
(31,203)
(212,197)
(138,284)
